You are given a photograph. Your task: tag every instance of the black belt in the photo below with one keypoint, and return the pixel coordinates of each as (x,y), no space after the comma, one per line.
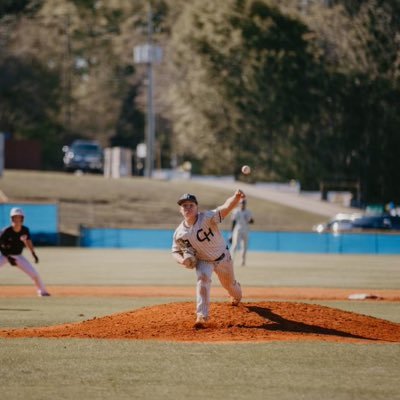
(221,257)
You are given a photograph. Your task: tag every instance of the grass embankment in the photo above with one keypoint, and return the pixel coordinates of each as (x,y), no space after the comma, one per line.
(134,202)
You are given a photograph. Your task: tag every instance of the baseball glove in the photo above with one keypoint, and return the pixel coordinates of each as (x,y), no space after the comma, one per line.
(12,260)
(189,259)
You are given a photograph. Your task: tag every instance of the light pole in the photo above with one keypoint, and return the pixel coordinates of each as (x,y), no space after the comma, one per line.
(150,111)
(149,54)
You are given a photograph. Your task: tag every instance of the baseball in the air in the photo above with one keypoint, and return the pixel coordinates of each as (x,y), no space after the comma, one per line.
(246,170)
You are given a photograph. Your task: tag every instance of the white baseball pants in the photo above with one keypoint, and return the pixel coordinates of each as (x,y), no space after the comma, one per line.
(226,275)
(24,265)
(240,238)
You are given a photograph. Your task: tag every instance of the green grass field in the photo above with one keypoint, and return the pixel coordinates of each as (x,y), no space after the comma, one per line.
(134,202)
(83,369)
(118,369)
(79,266)
(124,369)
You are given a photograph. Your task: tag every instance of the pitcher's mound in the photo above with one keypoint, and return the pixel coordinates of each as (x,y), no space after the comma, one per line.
(251,322)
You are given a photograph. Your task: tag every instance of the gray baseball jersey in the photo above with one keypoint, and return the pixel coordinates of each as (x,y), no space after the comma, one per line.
(204,237)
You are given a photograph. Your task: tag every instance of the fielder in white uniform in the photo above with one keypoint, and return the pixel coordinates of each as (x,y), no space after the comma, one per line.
(241,218)
(198,243)
(13,239)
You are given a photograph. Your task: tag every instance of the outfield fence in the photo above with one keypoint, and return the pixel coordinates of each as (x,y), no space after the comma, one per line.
(290,242)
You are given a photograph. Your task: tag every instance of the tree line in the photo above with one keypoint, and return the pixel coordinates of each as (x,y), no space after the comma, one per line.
(304,90)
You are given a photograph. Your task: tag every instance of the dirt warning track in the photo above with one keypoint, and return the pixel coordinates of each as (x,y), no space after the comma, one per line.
(278,293)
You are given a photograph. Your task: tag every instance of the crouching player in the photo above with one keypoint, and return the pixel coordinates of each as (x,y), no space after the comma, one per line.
(13,239)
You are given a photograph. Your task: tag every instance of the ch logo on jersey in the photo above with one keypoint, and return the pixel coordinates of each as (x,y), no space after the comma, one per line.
(202,236)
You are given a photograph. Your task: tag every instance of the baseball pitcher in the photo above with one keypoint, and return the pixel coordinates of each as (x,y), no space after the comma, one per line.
(198,244)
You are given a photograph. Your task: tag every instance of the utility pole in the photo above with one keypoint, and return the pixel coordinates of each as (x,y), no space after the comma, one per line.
(67,84)
(149,54)
(150,131)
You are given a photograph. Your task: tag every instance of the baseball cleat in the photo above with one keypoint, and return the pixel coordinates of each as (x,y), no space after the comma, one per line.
(200,322)
(235,302)
(43,294)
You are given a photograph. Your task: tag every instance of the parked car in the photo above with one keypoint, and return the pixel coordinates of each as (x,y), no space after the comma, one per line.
(359,222)
(84,155)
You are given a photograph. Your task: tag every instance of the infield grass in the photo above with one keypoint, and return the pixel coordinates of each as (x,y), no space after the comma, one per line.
(31,312)
(78,266)
(98,369)
(45,369)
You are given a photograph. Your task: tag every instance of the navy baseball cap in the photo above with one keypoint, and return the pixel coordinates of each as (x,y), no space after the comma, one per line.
(187,197)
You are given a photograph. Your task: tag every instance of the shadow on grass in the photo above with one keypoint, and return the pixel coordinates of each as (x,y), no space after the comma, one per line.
(287,325)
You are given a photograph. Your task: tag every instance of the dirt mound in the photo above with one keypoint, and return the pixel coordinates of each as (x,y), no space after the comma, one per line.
(263,321)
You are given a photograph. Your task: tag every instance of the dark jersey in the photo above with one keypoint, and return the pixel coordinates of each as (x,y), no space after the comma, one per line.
(10,241)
